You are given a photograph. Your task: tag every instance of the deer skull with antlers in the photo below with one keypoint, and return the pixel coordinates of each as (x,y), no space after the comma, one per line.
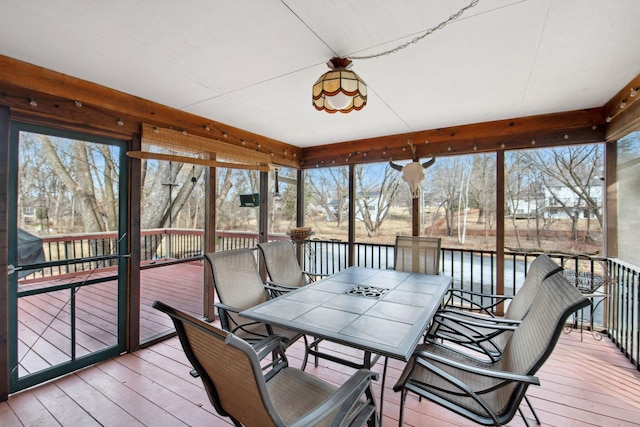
(413,173)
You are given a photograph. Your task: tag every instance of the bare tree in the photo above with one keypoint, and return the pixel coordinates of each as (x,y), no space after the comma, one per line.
(330,190)
(231,184)
(375,194)
(575,168)
(516,177)
(70,162)
(445,184)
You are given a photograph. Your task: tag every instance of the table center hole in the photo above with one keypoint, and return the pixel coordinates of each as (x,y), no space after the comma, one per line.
(367,291)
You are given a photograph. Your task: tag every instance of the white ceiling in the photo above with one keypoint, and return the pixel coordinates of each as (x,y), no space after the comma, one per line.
(251,63)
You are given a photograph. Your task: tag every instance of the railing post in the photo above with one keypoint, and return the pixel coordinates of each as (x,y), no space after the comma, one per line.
(500,228)
(352,215)
(209,241)
(4,252)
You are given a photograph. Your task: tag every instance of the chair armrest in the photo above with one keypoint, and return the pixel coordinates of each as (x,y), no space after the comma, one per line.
(276,289)
(478,335)
(345,397)
(236,326)
(226,307)
(267,345)
(479,294)
(470,319)
(422,355)
(467,296)
(314,276)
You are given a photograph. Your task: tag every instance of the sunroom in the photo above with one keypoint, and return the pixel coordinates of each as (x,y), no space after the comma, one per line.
(137,137)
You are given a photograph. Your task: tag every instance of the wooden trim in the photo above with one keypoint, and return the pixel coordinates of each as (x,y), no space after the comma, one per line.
(133,238)
(300,213)
(415,216)
(101,108)
(352,215)
(194,160)
(623,121)
(500,188)
(610,207)
(263,221)
(300,198)
(5,126)
(209,241)
(574,127)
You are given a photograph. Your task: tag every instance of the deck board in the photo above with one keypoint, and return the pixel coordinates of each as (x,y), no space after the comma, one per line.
(153,387)
(584,383)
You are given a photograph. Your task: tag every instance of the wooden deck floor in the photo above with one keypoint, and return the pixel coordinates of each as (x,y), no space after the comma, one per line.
(584,383)
(44,321)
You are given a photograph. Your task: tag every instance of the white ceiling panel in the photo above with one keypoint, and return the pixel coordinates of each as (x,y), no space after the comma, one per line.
(251,63)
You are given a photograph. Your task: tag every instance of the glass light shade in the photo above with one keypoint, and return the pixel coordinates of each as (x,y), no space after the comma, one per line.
(339,101)
(339,89)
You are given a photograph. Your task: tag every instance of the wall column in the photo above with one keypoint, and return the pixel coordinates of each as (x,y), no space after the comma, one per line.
(5,120)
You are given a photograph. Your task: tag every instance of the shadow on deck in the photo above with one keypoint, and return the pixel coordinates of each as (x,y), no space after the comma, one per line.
(583,383)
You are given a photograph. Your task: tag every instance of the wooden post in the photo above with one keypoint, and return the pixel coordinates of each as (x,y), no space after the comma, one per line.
(500,228)
(133,242)
(300,214)
(352,214)
(209,244)
(263,219)
(610,200)
(5,121)
(415,216)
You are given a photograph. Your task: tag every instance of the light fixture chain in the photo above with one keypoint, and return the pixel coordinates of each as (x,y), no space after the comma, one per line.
(418,38)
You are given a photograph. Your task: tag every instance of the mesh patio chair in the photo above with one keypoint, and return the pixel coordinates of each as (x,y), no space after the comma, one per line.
(236,385)
(282,267)
(239,287)
(486,333)
(285,275)
(487,392)
(541,267)
(417,254)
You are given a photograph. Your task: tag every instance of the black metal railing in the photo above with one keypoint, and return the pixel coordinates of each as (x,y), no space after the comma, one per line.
(470,269)
(622,308)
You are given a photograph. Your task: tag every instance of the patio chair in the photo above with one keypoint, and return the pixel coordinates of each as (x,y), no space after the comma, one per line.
(417,254)
(541,267)
(235,383)
(488,392)
(239,287)
(282,267)
(286,275)
(486,333)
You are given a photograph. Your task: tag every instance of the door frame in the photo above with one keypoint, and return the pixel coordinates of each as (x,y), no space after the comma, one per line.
(15,383)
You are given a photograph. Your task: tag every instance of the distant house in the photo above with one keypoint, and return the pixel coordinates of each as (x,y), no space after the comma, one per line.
(562,203)
(28,214)
(557,202)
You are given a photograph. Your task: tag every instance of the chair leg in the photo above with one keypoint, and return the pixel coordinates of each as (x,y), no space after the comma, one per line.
(316,355)
(384,377)
(403,397)
(306,352)
(526,423)
(526,399)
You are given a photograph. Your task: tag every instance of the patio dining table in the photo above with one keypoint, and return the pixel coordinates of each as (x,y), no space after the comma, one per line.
(382,312)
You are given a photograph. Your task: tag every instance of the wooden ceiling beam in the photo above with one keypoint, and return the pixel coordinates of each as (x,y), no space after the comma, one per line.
(622,112)
(79,105)
(574,127)
(76,103)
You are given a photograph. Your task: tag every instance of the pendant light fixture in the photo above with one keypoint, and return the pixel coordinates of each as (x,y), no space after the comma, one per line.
(339,89)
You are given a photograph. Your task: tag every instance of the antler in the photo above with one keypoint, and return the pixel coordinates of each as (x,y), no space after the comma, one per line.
(393,165)
(429,163)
